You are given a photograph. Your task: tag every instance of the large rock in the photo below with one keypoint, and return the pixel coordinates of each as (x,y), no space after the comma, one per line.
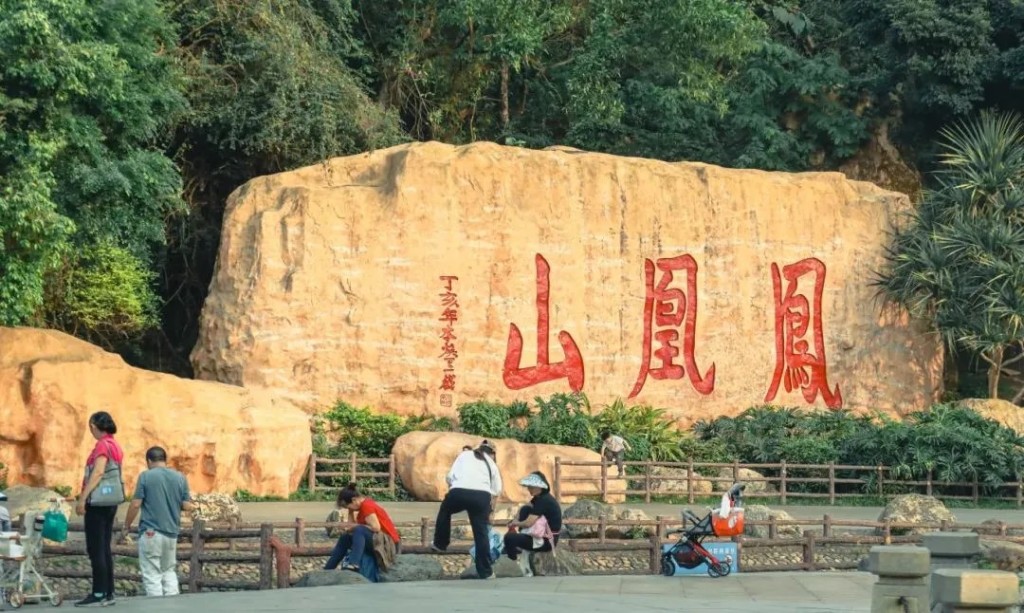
(759,512)
(915,509)
(751,478)
(324,578)
(504,568)
(328,279)
(558,563)
(1002,411)
(24,499)
(224,438)
(586,510)
(673,481)
(423,460)
(413,568)
(1002,555)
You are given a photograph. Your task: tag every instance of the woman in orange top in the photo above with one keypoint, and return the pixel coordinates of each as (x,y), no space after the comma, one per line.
(370,517)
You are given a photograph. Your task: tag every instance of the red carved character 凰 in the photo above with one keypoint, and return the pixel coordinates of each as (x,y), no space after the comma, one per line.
(517,378)
(795,366)
(668,308)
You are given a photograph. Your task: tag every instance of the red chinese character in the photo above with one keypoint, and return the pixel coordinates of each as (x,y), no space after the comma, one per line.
(795,366)
(448,334)
(450,315)
(448,383)
(517,378)
(448,351)
(450,300)
(448,281)
(446,400)
(671,308)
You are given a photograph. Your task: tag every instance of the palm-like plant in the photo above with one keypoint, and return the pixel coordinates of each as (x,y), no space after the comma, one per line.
(959,261)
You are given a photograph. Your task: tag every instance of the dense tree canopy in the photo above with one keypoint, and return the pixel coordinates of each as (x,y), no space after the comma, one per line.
(125,124)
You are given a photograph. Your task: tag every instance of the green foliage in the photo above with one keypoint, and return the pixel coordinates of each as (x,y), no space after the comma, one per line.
(491,419)
(960,261)
(85,92)
(562,419)
(345,429)
(102,292)
(651,433)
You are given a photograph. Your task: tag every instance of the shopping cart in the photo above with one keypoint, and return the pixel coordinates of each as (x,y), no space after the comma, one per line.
(20,580)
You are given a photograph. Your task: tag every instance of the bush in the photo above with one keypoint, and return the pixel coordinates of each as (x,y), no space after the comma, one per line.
(345,430)
(491,419)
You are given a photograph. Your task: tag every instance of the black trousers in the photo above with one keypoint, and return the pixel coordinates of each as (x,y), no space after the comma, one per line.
(477,505)
(516,542)
(99,529)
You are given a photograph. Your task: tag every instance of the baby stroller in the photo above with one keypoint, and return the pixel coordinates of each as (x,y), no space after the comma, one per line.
(20,581)
(689,551)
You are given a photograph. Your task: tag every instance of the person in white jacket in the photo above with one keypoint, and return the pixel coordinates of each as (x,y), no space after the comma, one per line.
(475,483)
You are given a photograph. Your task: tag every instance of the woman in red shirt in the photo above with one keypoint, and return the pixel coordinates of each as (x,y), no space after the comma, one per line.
(370,517)
(99,520)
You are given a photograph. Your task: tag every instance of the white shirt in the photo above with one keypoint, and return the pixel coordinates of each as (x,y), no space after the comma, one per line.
(470,473)
(615,443)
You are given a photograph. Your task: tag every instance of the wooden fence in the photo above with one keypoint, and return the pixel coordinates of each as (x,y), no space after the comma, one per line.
(835,481)
(350,471)
(261,545)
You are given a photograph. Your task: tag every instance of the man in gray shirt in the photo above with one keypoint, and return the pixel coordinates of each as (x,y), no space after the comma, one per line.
(162,494)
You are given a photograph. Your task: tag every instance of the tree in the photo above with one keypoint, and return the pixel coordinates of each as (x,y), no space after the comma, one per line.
(87,89)
(959,263)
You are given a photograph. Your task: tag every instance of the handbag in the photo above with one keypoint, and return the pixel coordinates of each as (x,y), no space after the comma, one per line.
(55,526)
(110,490)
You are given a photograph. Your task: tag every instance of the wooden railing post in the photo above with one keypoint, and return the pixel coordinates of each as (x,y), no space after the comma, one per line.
(392,468)
(232,525)
(881,482)
(887,531)
(689,482)
(604,480)
(826,526)
(647,482)
(773,527)
(974,488)
(311,477)
(782,482)
(266,557)
(424,528)
(601,529)
(735,470)
(300,532)
(655,540)
(1020,493)
(928,483)
(195,566)
(558,479)
(831,482)
(809,563)
(352,469)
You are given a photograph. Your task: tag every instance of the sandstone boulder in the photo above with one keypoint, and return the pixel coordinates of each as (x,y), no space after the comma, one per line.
(751,478)
(424,458)
(224,438)
(1003,555)
(1002,411)
(758,513)
(324,578)
(341,264)
(413,568)
(674,481)
(34,500)
(636,530)
(915,509)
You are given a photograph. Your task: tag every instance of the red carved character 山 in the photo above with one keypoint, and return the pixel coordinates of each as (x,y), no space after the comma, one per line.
(516,377)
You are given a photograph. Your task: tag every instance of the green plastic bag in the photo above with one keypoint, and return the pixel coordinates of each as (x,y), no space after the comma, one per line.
(55,526)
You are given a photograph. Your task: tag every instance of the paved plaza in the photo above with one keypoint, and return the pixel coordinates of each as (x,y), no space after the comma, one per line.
(762,592)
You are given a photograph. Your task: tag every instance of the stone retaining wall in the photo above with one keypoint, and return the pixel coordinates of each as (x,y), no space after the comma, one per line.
(634,562)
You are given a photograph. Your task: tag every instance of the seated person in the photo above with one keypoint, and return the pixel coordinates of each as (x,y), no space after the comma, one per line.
(541,520)
(355,545)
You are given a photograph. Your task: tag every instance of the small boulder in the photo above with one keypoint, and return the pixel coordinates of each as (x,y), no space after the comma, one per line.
(914,509)
(759,512)
(667,481)
(751,478)
(586,510)
(1002,555)
(558,563)
(37,500)
(634,531)
(410,567)
(324,578)
(504,568)
(215,508)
